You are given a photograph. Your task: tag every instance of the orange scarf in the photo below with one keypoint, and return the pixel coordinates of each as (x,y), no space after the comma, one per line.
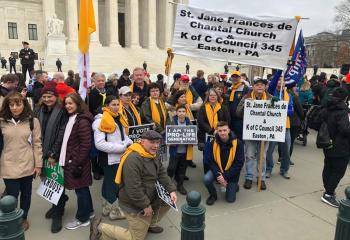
(233,91)
(212,114)
(231,156)
(136,147)
(155,112)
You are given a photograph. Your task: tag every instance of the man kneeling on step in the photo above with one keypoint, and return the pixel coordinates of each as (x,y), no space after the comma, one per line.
(140,168)
(225,155)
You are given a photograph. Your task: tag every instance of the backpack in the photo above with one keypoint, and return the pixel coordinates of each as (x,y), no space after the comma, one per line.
(315,117)
(323,139)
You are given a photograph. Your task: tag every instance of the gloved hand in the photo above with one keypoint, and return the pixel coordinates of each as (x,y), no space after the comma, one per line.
(274,99)
(77,171)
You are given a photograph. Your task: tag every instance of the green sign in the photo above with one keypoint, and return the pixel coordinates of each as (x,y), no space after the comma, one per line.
(54,173)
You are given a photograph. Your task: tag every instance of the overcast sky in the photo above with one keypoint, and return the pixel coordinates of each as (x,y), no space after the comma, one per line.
(320,12)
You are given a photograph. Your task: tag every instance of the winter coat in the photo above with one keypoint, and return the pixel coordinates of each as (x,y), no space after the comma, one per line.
(146,116)
(233,173)
(306,97)
(298,116)
(3,92)
(200,86)
(95,102)
(203,123)
(78,149)
(123,82)
(110,145)
(239,94)
(139,175)
(36,93)
(22,150)
(337,119)
(53,124)
(330,87)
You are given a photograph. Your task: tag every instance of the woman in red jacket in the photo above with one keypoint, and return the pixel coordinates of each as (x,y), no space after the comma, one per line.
(74,157)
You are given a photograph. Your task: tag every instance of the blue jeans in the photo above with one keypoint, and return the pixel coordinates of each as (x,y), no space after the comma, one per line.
(109,188)
(24,186)
(285,154)
(231,188)
(252,154)
(85,207)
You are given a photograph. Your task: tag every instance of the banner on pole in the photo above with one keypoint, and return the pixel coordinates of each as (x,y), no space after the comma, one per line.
(182,135)
(264,122)
(135,132)
(230,37)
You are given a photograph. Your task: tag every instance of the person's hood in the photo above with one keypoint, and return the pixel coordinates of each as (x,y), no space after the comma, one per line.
(98,116)
(332,83)
(86,115)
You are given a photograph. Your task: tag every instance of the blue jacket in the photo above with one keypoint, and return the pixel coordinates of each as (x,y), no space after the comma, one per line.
(200,86)
(173,148)
(274,92)
(232,174)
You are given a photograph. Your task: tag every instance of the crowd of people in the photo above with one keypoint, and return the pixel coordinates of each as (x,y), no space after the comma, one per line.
(48,120)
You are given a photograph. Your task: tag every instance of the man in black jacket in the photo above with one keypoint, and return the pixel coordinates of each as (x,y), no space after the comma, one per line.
(3,63)
(336,156)
(59,65)
(27,56)
(124,80)
(41,78)
(12,61)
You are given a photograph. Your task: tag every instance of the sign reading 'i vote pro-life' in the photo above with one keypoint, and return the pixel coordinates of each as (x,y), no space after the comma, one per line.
(264,121)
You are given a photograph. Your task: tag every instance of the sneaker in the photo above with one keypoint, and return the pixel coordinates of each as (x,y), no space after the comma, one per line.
(263,185)
(155,229)
(181,189)
(330,200)
(116,214)
(56,224)
(94,233)
(211,200)
(75,223)
(248,184)
(285,175)
(186,178)
(268,174)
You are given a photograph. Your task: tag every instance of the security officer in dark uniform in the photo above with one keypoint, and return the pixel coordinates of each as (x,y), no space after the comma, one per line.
(12,61)
(27,56)
(3,63)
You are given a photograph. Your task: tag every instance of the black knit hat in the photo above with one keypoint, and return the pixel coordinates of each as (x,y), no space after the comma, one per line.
(340,93)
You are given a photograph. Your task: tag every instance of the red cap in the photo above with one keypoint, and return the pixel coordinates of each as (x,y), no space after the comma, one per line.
(348,78)
(184,77)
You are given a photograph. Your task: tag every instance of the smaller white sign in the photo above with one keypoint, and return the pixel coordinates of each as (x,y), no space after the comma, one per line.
(264,122)
(165,196)
(50,190)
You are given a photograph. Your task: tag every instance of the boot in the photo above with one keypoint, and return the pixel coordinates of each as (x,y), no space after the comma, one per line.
(116,213)
(106,208)
(56,224)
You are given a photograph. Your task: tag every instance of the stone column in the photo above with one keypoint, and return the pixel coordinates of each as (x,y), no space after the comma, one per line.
(169,23)
(151,9)
(111,10)
(48,12)
(132,23)
(72,19)
(95,36)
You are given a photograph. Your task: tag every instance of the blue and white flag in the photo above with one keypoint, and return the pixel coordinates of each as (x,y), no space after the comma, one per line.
(296,70)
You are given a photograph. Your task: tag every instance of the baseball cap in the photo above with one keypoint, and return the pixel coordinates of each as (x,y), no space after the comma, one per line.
(124,90)
(259,79)
(184,77)
(238,73)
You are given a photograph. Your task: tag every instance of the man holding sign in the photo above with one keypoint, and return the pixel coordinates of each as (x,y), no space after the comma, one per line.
(252,146)
(139,172)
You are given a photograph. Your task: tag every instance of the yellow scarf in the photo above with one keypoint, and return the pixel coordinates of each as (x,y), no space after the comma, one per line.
(124,117)
(155,113)
(231,157)
(189,96)
(233,91)
(104,95)
(132,87)
(212,114)
(264,96)
(188,111)
(286,98)
(189,152)
(107,123)
(136,147)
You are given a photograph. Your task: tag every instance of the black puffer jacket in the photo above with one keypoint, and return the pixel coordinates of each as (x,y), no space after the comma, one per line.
(339,129)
